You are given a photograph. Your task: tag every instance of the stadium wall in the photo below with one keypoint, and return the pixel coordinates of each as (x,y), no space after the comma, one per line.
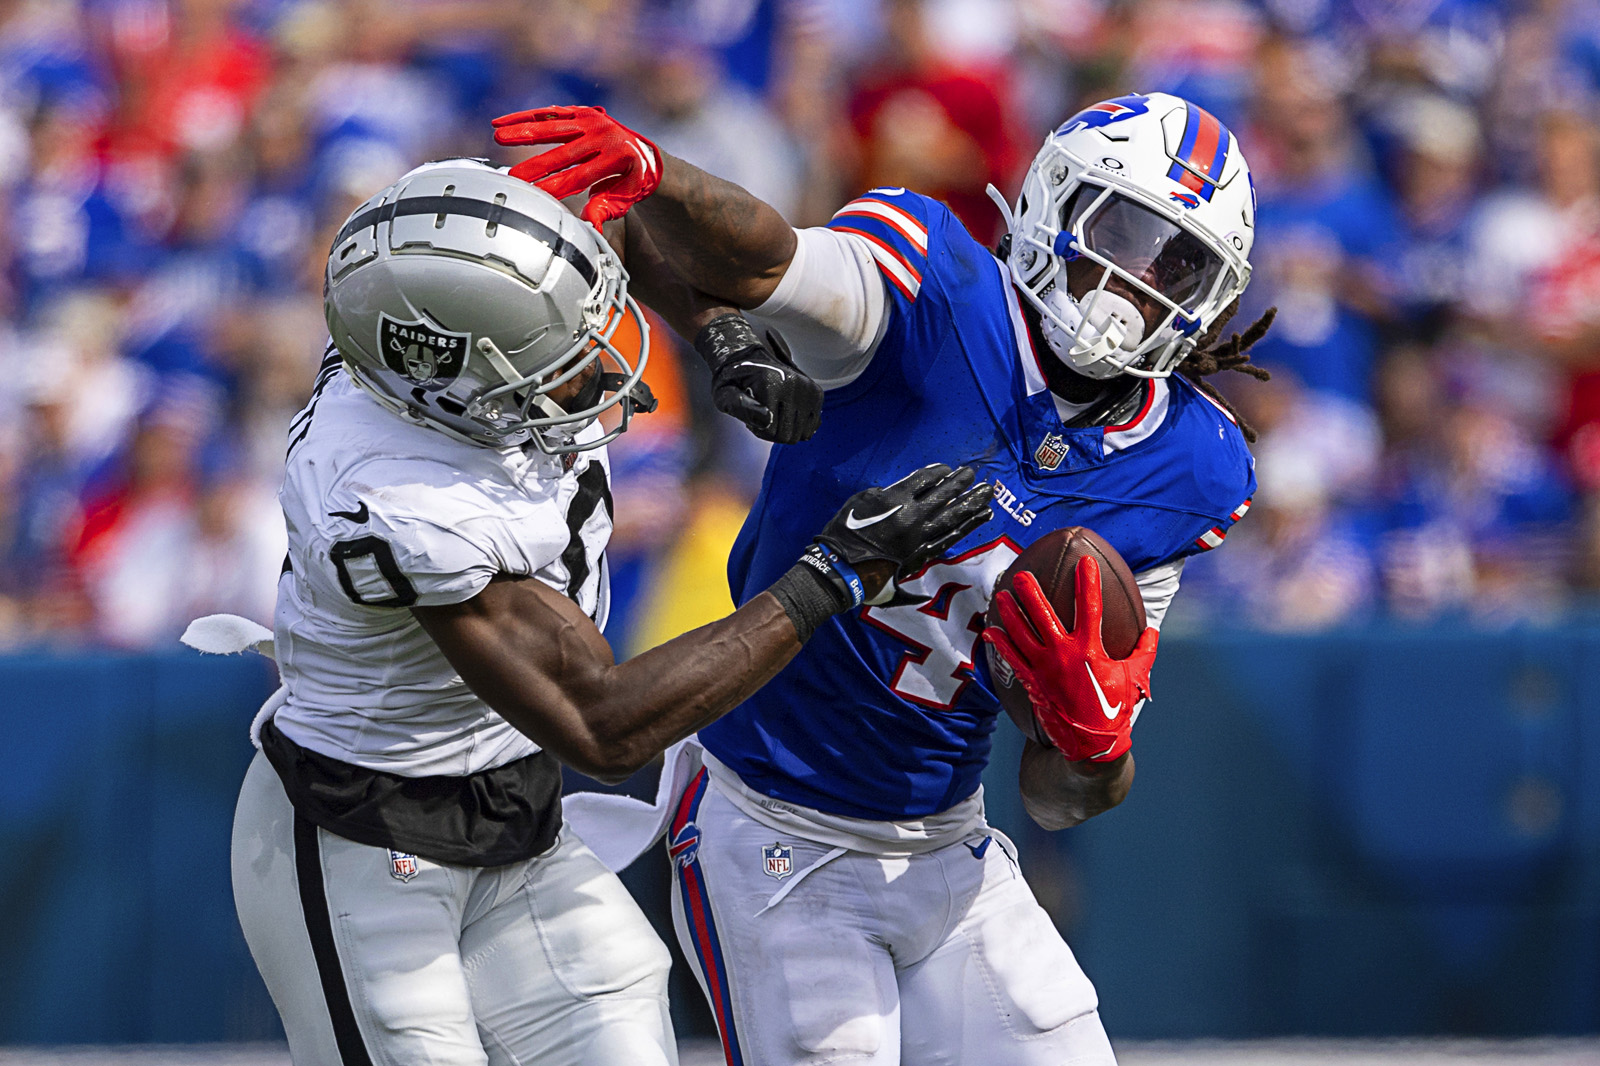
(1378,833)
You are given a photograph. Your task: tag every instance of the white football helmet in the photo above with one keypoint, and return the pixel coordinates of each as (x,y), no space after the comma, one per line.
(1153,191)
(460,297)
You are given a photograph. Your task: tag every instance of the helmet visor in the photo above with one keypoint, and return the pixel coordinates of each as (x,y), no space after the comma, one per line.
(1150,248)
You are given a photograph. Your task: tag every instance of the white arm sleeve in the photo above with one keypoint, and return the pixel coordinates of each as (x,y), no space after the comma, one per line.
(830,306)
(1157,586)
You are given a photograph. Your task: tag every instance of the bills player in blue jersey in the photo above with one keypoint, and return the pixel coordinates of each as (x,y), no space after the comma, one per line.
(839,891)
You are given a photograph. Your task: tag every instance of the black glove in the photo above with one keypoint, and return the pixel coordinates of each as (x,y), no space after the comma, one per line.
(758,383)
(907,524)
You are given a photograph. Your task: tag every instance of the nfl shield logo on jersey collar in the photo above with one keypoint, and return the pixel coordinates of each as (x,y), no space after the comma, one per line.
(777,860)
(1051,451)
(402,865)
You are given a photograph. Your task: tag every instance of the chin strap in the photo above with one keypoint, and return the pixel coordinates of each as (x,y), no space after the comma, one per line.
(1069,321)
(644,401)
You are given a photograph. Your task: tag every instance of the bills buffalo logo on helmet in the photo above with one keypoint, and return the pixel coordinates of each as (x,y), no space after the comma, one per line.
(1105,113)
(425,352)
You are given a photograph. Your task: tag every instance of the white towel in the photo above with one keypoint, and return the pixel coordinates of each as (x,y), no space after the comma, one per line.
(618,829)
(228,634)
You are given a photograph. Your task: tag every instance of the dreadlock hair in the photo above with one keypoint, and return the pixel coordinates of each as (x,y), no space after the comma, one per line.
(1213,355)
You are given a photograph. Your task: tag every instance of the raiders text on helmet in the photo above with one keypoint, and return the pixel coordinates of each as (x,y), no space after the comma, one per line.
(460,296)
(1151,191)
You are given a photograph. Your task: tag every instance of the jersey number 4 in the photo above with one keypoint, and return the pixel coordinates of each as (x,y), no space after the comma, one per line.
(943,631)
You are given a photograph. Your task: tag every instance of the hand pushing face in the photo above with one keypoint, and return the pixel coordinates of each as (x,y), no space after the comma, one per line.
(581,392)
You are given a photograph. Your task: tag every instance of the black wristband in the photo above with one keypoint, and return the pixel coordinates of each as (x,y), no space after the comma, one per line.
(810,596)
(722,337)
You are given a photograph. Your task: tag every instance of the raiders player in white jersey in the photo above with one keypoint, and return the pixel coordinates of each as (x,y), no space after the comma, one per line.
(399,864)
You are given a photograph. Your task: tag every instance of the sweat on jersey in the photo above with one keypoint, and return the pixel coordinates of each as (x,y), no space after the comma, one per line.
(383,514)
(887,712)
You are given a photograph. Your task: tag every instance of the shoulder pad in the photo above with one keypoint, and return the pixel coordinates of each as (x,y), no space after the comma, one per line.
(895,223)
(1224,470)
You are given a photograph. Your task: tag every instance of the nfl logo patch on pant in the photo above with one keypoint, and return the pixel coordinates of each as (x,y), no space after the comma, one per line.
(402,865)
(777,860)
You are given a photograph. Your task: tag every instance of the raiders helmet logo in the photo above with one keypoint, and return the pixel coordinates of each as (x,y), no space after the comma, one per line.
(425,353)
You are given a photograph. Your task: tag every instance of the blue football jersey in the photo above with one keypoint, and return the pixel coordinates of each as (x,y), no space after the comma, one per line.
(887,712)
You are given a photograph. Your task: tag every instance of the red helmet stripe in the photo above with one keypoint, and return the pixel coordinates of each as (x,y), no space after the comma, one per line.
(1204,155)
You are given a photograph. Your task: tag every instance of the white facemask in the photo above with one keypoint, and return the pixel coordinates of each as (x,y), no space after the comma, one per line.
(1113,323)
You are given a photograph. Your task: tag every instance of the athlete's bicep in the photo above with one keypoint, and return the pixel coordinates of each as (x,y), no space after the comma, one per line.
(831,306)
(1157,586)
(528,652)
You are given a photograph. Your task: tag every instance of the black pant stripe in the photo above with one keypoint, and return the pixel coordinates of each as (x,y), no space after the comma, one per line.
(314,905)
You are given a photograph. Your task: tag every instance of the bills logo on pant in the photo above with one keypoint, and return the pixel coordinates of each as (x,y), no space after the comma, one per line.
(777,860)
(402,865)
(1105,113)
(685,843)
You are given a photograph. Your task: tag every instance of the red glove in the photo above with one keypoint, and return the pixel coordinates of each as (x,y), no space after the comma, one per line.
(616,165)
(1084,700)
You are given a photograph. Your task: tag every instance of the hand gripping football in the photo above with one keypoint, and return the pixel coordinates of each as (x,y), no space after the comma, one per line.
(1052,560)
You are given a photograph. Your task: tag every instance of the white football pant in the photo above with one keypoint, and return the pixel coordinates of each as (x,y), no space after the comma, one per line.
(547,961)
(938,958)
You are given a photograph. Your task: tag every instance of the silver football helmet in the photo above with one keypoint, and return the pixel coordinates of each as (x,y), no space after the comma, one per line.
(460,297)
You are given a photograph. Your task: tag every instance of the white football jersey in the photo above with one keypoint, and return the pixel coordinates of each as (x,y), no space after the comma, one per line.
(382,514)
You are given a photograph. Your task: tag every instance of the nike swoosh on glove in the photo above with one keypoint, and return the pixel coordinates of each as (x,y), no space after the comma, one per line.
(758,383)
(904,524)
(1084,700)
(908,523)
(617,166)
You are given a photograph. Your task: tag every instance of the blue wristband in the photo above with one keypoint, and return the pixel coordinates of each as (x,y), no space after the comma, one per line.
(858,591)
(841,574)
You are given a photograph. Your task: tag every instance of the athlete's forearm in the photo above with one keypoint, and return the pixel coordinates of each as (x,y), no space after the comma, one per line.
(654,282)
(1058,794)
(646,704)
(722,239)
(529,653)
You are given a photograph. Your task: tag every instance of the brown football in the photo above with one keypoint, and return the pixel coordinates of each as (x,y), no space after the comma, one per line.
(1051,560)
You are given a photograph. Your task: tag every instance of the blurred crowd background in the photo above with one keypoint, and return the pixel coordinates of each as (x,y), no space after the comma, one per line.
(171,172)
